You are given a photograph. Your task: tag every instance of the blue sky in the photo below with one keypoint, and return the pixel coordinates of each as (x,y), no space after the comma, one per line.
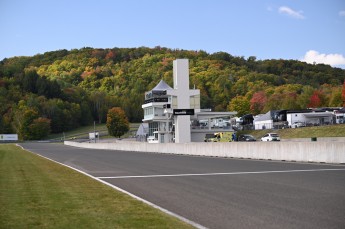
(308,30)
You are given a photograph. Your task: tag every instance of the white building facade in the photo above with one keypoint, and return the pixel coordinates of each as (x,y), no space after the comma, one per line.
(160,102)
(165,125)
(310,118)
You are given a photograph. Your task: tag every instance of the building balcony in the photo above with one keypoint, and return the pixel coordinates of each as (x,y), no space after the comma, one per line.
(156,100)
(156,117)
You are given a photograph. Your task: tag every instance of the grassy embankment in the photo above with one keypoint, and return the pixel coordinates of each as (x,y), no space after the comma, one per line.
(38,193)
(304,132)
(83,132)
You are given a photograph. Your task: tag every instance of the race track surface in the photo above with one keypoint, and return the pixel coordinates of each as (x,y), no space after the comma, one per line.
(218,192)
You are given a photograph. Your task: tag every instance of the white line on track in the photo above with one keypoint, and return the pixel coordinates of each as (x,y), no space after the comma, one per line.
(215,174)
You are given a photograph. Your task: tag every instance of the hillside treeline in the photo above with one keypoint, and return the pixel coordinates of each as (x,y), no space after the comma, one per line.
(62,90)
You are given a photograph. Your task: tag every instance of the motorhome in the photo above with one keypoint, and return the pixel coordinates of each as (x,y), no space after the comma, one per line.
(220,122)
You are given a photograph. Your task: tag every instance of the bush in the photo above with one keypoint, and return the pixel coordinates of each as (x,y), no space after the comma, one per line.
(117,122)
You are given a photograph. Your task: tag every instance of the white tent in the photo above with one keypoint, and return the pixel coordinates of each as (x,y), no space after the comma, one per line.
(142,132)
(263,121)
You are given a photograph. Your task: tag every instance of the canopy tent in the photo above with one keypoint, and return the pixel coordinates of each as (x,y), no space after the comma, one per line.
(142,132)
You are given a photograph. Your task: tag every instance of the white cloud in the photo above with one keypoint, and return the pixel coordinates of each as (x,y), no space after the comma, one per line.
(290,12)
(313,56)
(342,13)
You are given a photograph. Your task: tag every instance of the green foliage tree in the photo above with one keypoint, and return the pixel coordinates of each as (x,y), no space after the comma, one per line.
(86,116)
(30,80)
(99,101)
(303,98)
(62,114)
(2,126)
(335,98)
(47,88)
(7,123)
(23,118)
(38,129)
(117,122)
(42,86)
(28,124)
(289,101)
(240,104)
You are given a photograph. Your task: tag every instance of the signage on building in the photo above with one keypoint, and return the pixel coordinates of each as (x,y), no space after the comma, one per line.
(183,111)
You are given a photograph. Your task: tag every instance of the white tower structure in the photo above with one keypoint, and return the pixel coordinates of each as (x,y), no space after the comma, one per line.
(162,100)
(183,95)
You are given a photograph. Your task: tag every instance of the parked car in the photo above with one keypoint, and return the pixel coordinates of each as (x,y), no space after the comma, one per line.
(298,124)
(210,138)
(246,138)
(270,137)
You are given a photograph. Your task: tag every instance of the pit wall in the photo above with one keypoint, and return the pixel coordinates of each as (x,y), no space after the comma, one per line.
(323,152)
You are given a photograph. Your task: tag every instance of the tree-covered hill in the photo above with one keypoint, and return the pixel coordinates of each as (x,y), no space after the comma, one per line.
(66,89)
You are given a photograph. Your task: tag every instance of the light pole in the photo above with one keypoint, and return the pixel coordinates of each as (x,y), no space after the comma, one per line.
(94,130)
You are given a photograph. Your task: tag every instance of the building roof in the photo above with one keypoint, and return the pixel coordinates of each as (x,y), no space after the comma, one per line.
(264,117)
(204,115)
(318,114)
(162,86)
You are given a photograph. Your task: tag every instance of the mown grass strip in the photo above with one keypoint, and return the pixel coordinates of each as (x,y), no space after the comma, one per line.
(303,132)
(38,193)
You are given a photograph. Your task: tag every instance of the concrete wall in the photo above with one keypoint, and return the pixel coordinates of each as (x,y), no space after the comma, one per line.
(197,137)
(321,139)
(326,152)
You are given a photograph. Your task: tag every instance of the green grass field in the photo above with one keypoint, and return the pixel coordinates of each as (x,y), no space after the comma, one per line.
(303,132)
(38,193)
(83,132)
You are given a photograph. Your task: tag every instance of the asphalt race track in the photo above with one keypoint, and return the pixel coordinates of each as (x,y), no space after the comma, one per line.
(219,192)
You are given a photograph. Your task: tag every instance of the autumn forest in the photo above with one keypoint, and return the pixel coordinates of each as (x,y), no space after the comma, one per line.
(61,90)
